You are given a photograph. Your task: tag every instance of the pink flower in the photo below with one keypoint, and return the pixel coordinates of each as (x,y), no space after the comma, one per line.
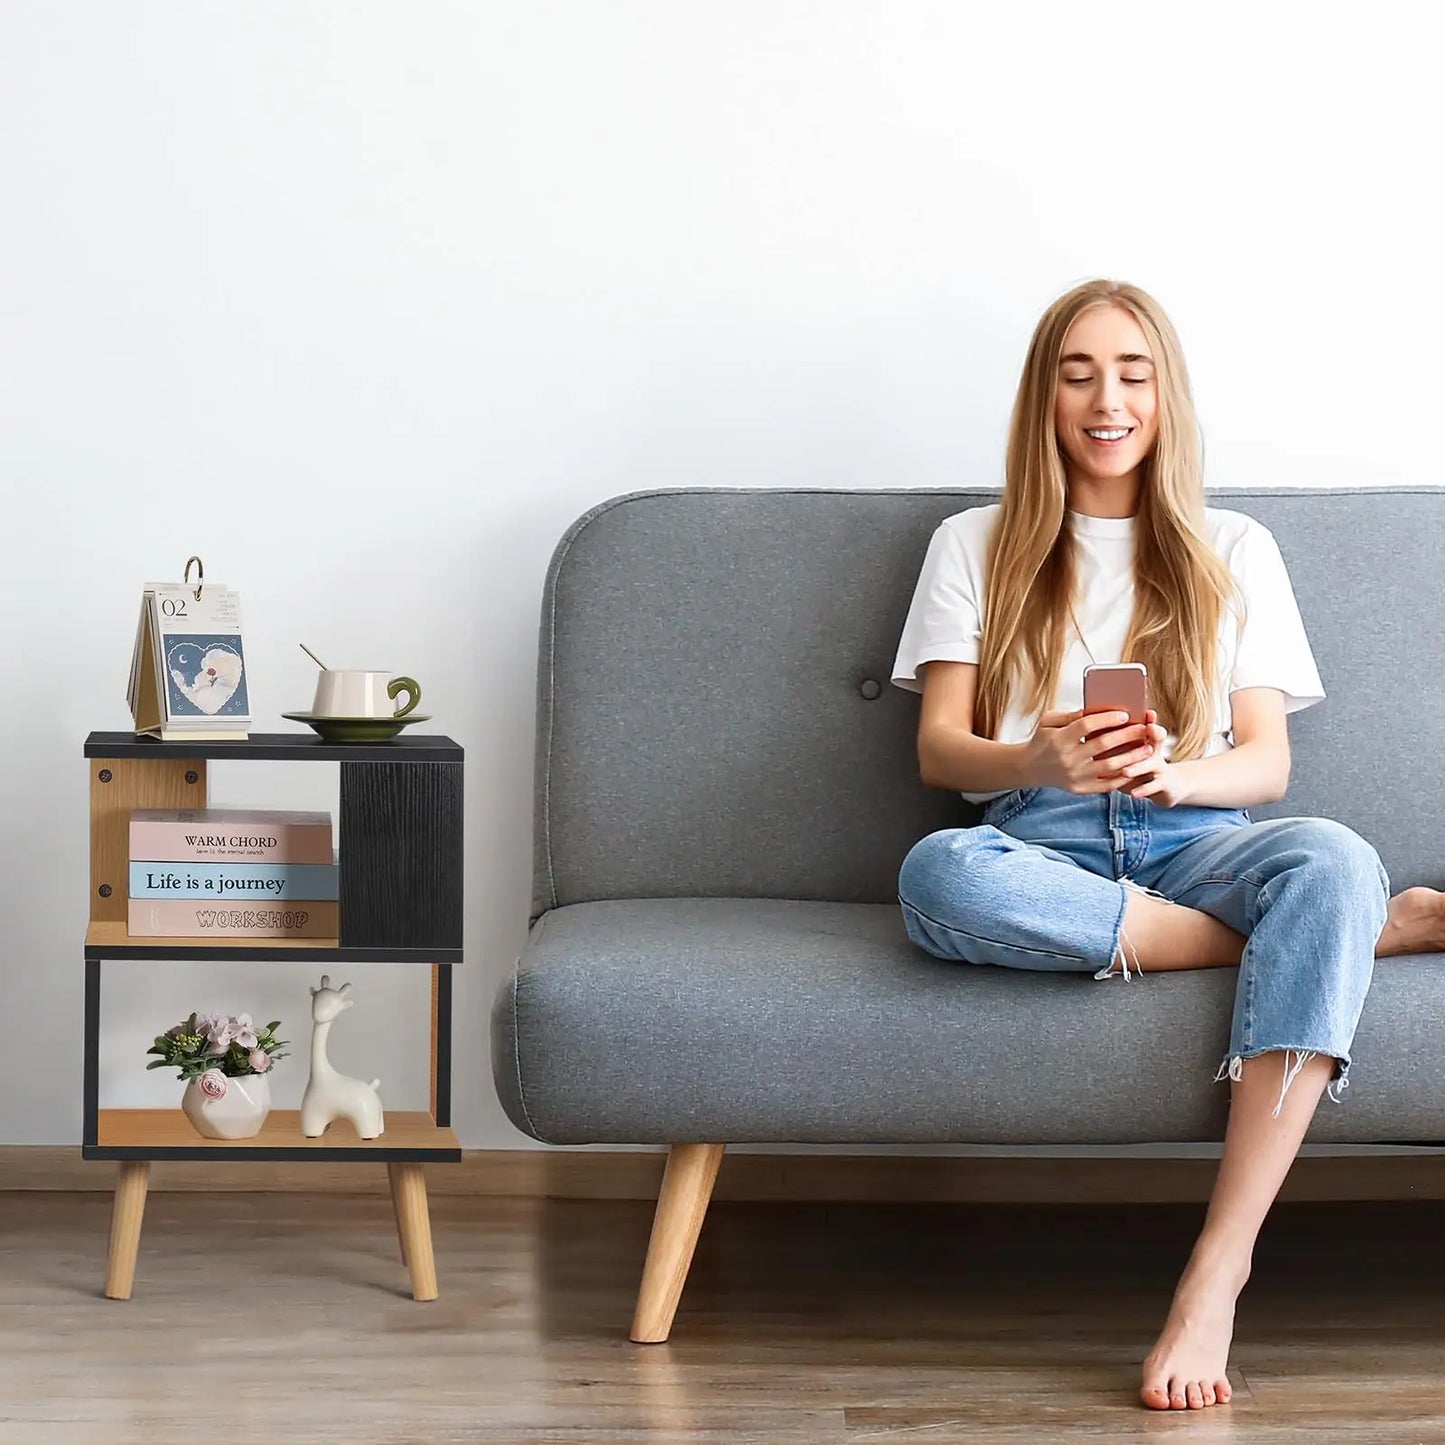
(213,1084)
(260,1060)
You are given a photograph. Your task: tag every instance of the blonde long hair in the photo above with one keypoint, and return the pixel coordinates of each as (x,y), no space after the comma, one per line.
(1181,585)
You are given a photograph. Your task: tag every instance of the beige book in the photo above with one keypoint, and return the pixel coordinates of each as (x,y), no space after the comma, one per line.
(189,918)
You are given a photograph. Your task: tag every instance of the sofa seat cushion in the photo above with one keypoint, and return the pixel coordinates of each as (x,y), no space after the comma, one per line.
(722,1020)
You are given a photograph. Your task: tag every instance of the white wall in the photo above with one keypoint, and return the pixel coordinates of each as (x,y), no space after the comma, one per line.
(367,302)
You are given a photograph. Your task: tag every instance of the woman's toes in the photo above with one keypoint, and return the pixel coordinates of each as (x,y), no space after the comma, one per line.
(1223,1391)
(1176,1396)
(1208,1393)
(1156,1397)
(1194,1395)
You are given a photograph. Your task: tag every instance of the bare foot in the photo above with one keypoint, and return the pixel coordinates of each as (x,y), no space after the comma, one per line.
(1415,923)
(1185,1369)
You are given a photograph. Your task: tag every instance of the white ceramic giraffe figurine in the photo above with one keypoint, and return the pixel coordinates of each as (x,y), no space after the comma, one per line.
(330,1095)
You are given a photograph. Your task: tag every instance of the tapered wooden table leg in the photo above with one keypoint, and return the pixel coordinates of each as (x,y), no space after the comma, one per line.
(127,1211)
(409,1190)
(396,1209)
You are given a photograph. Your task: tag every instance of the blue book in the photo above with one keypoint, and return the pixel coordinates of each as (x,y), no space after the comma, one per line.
(311,881)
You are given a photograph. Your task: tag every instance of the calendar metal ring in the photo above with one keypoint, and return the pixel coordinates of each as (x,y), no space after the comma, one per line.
(200,575)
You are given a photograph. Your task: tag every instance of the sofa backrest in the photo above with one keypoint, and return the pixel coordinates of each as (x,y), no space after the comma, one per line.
(715,717)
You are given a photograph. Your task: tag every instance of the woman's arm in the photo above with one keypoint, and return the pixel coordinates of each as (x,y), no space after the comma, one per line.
(1254,770)
(1061,753)
(950,754)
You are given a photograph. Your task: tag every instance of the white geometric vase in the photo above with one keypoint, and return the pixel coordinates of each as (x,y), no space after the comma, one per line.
(239,1111)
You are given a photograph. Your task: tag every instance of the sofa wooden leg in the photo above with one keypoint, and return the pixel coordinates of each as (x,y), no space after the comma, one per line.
(686,1188)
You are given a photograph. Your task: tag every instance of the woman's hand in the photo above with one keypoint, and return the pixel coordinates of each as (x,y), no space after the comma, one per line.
(1063,752)
(1153,777)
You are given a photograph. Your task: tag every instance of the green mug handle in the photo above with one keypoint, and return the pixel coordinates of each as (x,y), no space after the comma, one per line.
(408,686)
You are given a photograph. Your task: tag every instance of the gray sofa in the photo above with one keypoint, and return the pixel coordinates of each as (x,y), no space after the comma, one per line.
(727,783)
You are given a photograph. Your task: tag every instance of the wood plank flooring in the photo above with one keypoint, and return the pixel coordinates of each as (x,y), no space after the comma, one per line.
(288,1318)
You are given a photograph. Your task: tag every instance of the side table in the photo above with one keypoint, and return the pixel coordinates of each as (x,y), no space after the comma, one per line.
(400,901)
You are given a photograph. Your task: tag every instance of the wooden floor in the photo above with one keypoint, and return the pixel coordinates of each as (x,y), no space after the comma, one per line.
(288,1318)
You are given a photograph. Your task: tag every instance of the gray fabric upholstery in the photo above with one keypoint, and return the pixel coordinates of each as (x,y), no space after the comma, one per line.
(724,797)
(677,1020)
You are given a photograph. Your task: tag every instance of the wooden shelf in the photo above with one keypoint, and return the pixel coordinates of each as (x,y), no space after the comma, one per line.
(302,746)
(167,1134)
(400,888)
(109,939)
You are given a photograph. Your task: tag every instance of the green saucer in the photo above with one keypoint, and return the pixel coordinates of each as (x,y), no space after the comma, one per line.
(356,729)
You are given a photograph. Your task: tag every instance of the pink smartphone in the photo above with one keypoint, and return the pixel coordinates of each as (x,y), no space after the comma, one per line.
(1117,687)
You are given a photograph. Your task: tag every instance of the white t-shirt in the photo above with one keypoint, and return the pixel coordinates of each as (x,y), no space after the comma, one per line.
(944,620)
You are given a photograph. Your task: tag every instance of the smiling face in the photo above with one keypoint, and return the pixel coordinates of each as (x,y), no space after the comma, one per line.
(1106,410)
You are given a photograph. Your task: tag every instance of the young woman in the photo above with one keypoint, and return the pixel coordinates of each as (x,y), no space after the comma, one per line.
(1102,550)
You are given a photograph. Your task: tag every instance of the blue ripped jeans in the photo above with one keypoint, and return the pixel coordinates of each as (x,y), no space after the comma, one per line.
(1043,881)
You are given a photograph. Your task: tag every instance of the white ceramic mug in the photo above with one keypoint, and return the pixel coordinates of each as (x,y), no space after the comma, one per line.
(355,692)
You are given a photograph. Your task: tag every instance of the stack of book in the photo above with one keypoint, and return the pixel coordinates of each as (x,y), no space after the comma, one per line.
(232,873)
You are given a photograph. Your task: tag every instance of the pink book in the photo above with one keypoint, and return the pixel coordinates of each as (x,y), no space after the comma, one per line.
(235,835)
(188,918)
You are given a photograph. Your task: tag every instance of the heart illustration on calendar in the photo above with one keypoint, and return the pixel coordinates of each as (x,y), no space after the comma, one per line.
(207,673)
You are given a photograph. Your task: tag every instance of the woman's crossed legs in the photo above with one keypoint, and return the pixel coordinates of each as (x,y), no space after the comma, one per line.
(1306,896)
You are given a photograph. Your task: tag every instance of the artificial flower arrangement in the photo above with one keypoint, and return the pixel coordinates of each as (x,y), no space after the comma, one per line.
(226,1064)
(212,1044)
